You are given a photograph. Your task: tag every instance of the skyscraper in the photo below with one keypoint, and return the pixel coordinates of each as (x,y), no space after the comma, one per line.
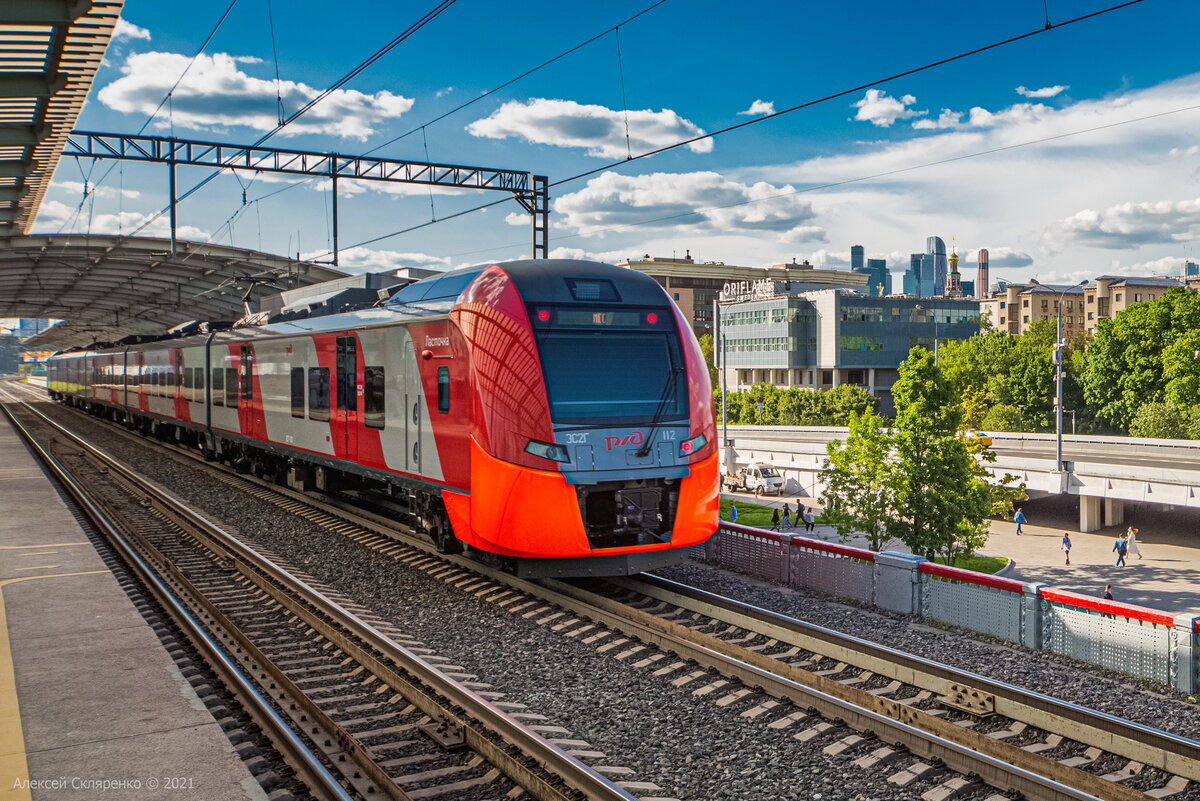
(881,278)
(918,279)
(981,284)
(856,258)
(935,247)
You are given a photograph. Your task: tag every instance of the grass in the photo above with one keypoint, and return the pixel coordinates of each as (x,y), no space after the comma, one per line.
(759,516)
(980,564)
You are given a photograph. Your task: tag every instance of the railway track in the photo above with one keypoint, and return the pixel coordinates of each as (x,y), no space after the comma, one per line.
(357,708)
(879,709)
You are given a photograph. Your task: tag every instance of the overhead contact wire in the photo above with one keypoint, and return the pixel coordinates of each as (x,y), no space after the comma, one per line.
(808,104)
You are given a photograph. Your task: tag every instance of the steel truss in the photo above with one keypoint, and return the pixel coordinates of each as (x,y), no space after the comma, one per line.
(531,191)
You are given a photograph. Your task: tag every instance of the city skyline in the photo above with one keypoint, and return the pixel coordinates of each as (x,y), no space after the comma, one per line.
(1070,154)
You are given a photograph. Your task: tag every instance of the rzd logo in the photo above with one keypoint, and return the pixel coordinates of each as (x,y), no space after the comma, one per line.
(619,442)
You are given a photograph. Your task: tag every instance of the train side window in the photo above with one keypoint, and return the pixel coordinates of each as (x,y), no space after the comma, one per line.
(218,386)
(187,382)
(198,384)
(318,393)
(247,372)
(373,397)
(231,387)
(297,392)
(443,381)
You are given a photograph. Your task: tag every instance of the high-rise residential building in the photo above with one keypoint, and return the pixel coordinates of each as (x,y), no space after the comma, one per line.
(935,247)
(982,281)
(1110,294)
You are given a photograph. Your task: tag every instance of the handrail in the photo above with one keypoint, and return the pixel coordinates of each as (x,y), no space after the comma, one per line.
(1107,607)
(971,577)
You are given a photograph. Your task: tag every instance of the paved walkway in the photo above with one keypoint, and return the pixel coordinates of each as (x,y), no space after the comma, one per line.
(1167,577)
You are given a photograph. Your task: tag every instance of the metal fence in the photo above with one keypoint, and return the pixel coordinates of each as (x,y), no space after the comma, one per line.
(1119,636)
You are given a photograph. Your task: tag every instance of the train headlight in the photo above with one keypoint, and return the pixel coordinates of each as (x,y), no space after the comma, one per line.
(548,450)
(690,446)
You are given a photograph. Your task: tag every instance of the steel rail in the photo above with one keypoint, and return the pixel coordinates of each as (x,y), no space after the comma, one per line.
(309,766)
(555,760)
(1172,753)
(893,722)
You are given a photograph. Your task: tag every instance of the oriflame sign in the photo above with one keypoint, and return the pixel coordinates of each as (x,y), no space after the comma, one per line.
(748,290)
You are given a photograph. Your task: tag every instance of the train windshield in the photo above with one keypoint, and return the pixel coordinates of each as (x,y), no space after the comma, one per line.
(613,376)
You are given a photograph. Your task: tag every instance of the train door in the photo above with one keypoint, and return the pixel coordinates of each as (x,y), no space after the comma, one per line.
(347,394)
(412,422)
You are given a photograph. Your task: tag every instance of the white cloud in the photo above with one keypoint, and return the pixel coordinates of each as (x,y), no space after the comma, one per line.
(53,214)
(443,92)
(1183,152)
(1130,225)
(216,92)
(880,109)
(127,30)
(999,258)
(359,186)
(696,201)
(76,187)
(1048,91)
(758,107)
(361,260)
(1006,176)
(947,119)
(600,130)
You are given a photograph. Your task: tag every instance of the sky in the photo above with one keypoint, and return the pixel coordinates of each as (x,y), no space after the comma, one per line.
(1069,154)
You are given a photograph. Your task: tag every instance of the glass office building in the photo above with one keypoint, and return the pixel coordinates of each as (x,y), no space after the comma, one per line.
(821,339)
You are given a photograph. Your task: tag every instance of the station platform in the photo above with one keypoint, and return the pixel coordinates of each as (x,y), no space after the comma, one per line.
(89,698)
(1167,577)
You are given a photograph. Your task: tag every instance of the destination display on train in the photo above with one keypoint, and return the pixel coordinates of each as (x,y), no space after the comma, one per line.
(589,317)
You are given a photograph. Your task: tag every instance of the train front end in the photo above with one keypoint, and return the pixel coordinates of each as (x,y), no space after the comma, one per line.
(594,442)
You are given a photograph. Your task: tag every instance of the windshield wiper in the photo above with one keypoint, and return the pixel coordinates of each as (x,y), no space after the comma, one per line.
(668,391)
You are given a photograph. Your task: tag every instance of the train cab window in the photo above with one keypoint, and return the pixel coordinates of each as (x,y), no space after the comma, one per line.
(373,392)
(318,393)
(297,392)
(231,387)
(247,373)
(443,384)
(218,386)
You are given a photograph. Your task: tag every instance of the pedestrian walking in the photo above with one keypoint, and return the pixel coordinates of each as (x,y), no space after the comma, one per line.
(774,520)
(786,509)
(787,518)
(800,507)
(1131,536)
(1108,596)
(1121,546)
(1019,519)
(732,513)
(810,520)
(1066,546)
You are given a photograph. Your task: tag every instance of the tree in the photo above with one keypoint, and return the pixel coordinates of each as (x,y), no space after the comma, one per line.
(1159,420)
(940,500)
(1126,365)
(1003,417)
(706,348)
(845,400)
(857,478)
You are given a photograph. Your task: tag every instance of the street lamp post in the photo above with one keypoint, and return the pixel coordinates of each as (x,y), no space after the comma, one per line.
(1058,377)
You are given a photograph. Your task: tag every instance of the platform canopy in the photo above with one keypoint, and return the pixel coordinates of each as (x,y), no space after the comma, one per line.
(49,53)
(107,287)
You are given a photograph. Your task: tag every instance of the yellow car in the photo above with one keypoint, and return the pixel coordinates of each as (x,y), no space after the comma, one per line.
(978,436)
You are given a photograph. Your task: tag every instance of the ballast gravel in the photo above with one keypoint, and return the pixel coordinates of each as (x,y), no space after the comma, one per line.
(1150,703)
(686,745)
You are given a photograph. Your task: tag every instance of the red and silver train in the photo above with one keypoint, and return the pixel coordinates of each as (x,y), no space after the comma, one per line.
(554,417)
